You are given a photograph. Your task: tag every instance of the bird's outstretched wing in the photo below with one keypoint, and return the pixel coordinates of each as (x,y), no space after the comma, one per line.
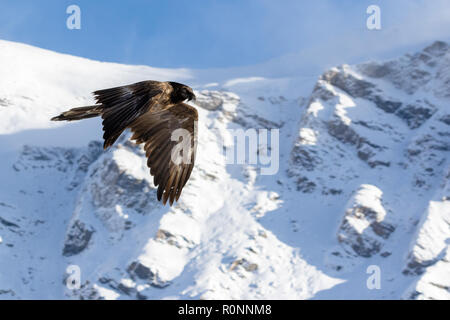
(170,138)
(122,105)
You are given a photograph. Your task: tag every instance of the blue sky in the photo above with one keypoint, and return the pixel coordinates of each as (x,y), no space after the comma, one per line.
(225,33)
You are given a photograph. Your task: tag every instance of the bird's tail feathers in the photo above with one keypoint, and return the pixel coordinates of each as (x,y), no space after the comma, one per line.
(79,113)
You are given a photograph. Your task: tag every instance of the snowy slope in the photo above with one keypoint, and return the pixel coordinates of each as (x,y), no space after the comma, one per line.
(363,180)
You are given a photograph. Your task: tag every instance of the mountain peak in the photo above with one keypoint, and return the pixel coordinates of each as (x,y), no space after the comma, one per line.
(437,48)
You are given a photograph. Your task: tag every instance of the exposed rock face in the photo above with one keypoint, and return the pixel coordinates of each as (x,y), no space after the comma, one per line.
(304,158)
(364,229)
(4,102)
(416,114)
(355,105)
(384,125)
(118,188)
(445,119)
(8,224)
(209,100)
(348,83)
(78,238)
(429,256)
(412,72)
(72,162)
(139,271)
(113,185)
(433,284)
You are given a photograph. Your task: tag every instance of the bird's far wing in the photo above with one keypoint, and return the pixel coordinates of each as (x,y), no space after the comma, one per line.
(122,105)
(170,139)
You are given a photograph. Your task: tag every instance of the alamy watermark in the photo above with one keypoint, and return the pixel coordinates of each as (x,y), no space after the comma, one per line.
(374,20)
(73,280)
(259,147)
(374,280)
(252,147)
(74,19)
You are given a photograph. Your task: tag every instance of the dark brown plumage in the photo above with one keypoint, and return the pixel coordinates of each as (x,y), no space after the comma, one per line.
(153,111)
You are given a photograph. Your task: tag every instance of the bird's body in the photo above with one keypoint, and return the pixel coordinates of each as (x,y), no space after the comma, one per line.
(153,111)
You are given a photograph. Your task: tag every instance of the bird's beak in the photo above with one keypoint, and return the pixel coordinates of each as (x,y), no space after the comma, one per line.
(193,98)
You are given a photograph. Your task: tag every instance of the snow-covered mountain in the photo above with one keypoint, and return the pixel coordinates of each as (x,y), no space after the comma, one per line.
(363,184)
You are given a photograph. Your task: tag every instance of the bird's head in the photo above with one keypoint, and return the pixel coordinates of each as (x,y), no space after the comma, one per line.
(181,92)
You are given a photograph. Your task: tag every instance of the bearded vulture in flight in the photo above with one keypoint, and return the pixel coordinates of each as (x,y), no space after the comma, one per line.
(153,111)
